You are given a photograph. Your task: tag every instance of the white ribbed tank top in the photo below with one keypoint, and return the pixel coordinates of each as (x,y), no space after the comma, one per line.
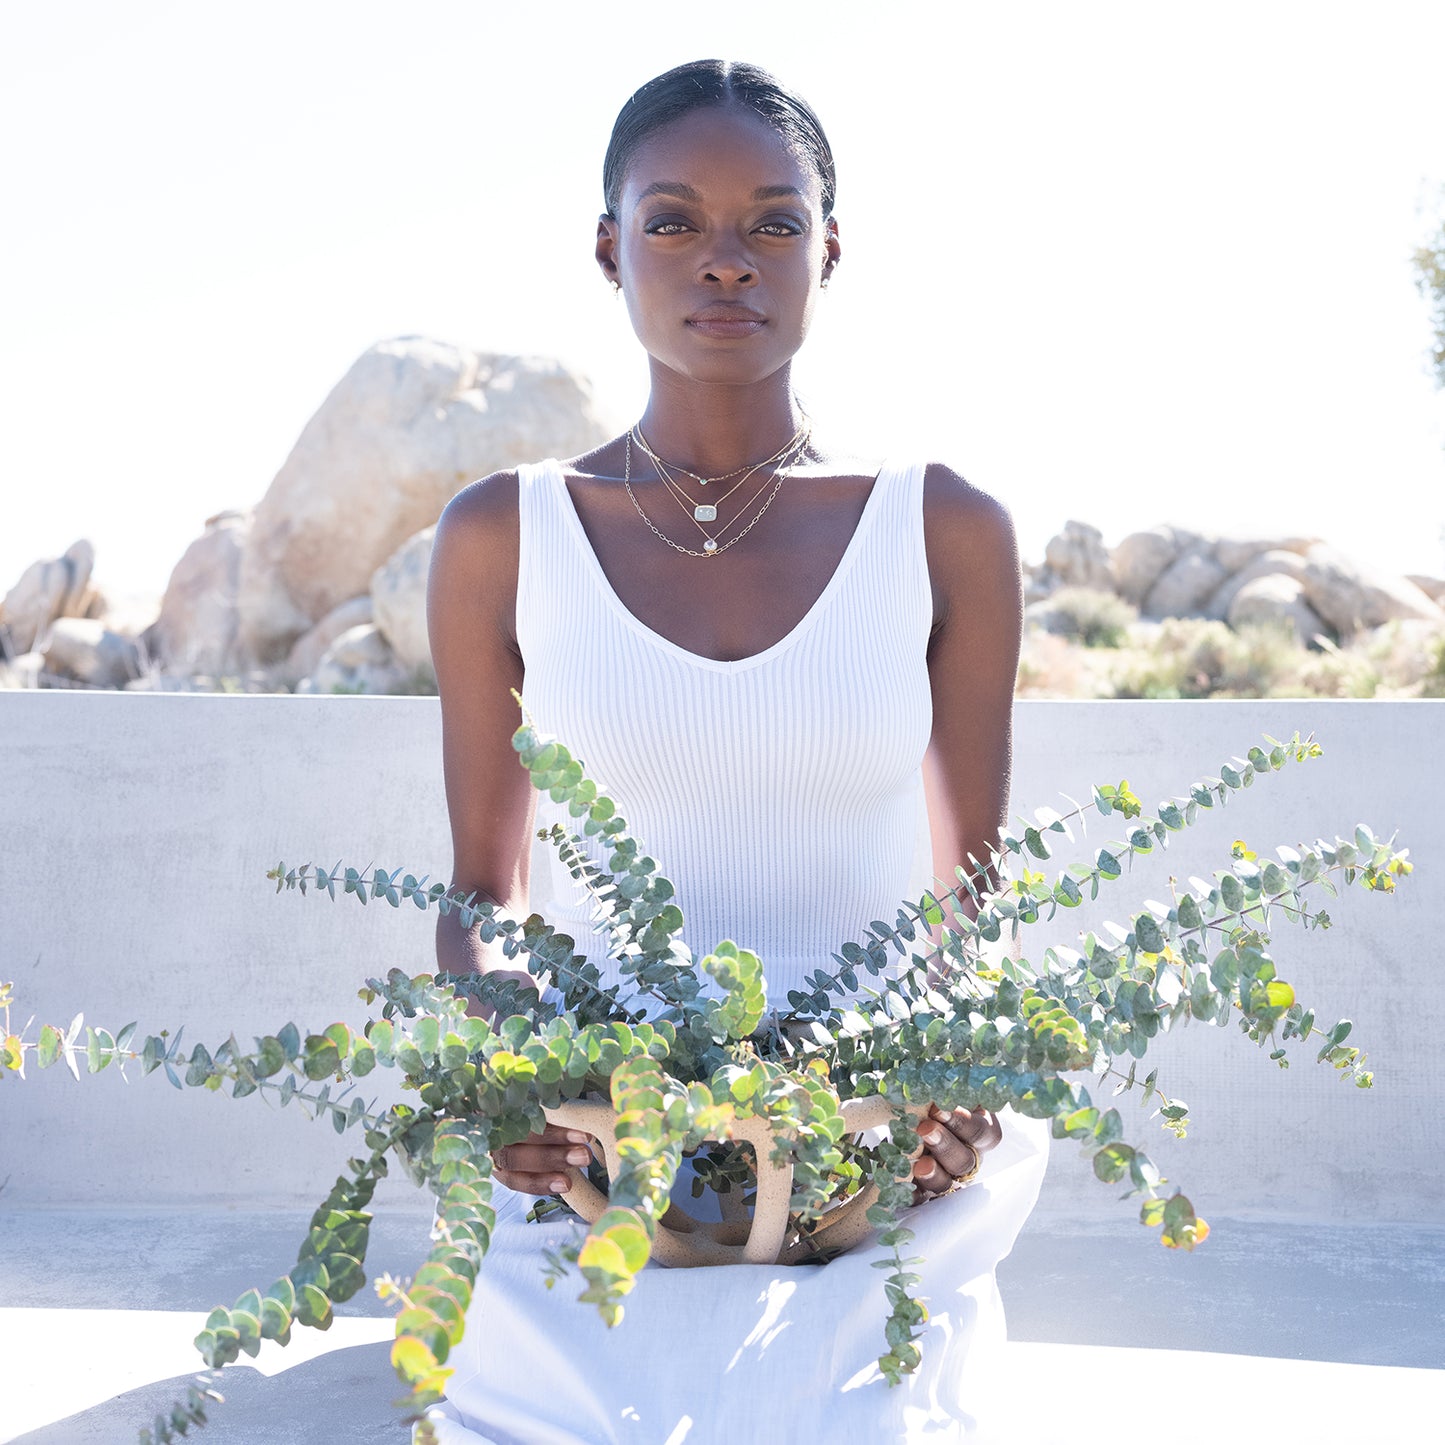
(780,793)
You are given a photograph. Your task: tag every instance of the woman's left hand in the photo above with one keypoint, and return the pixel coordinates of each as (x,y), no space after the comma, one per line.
(953,1143)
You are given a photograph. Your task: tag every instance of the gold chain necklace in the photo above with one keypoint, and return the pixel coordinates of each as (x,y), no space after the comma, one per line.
(710,547)
(702,512)
(707,511)
(713,481)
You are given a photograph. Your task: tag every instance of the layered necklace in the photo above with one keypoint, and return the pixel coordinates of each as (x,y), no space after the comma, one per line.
(705,514)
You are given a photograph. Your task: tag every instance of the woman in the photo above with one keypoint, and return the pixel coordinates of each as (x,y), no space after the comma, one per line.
(769,653)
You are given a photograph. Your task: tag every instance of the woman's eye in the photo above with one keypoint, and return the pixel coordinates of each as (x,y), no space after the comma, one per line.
(665,228)
(781,228)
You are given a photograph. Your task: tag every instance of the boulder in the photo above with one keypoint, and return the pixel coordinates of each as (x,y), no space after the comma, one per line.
(1265,564)
(83,648)
(1139,561)
(1232,553)
(1350,597)
(1077,557)
(360,660)
(1185,585)
(196,629)
(1038,582)
(310,647)
(1275,600)
(398,597)
(55,587)
(409,424)
(1432,587)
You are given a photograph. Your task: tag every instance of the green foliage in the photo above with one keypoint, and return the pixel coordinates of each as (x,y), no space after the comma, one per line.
(688,1053)
(1194,658)
(1429,262)
(1191,657)
(1434,680)
(1088,615)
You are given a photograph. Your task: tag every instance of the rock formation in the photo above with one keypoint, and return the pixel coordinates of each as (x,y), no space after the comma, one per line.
(361,661)
(409,424)
(398,598)
(52,588)
(1292,581)
(1276,599)
(196,629)
(84,650)
(1350,597)
(322,587)
(311,647)
(1432,587)
(1076,557)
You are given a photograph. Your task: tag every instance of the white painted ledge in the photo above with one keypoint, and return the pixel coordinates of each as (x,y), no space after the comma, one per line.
(135,831)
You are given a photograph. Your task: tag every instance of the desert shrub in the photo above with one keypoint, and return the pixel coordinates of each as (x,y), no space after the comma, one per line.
(1432,684)
(1403,655)
(1193,658)
(1051,666)
(1330,671)
(1088,615)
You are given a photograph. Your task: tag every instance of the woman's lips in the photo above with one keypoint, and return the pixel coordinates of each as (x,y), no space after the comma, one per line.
(726,324)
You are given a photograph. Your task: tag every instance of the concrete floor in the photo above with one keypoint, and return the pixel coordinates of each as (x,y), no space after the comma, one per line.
(1270,1332)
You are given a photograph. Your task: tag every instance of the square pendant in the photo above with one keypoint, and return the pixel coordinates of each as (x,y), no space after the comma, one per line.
(705,514)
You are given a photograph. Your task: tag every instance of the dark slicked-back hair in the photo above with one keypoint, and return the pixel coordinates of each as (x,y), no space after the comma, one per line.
(705,84)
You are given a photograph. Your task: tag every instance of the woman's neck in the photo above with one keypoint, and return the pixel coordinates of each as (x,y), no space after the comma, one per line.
(710,428)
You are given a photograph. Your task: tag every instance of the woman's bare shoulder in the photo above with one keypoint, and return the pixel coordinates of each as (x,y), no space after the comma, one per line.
(474,562)
(959,513)
(486,508)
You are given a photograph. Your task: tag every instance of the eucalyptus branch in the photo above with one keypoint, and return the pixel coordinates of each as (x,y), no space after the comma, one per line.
(543,944)
(907,1015)
(995,908)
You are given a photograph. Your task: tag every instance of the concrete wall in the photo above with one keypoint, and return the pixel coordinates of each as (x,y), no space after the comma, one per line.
(135,831)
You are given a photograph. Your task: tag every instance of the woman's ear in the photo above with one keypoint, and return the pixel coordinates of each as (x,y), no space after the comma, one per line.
(607,239)
(832,249)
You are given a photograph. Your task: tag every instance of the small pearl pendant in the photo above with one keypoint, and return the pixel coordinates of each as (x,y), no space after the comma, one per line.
(705,514)
(709,546)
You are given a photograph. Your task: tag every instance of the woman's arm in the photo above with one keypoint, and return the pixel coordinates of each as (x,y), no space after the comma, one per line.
(471,610)
(471,621)
(973,657)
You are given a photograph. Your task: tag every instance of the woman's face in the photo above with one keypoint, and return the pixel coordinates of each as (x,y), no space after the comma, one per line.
(720,246)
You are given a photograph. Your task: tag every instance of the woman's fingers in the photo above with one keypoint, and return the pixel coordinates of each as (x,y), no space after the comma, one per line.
(539,1164)
(533,1183)
(929,1176)
(978,1128)
(953,1142)
(950,1156)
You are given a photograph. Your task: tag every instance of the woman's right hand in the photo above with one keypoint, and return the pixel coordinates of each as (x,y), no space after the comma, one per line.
(539,1164)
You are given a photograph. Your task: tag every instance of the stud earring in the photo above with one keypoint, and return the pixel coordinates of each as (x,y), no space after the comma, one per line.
(616,288)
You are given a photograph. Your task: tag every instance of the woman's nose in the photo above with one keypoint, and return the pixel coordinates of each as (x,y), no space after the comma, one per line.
(730,271)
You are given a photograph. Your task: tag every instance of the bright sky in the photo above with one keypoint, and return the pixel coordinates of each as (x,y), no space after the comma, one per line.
(1126,262)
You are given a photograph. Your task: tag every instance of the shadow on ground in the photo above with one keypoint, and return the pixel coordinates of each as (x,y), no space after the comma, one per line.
(1351,1294)
(343,1395)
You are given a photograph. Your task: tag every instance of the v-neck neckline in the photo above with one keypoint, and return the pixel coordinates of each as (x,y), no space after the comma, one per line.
(553,469)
